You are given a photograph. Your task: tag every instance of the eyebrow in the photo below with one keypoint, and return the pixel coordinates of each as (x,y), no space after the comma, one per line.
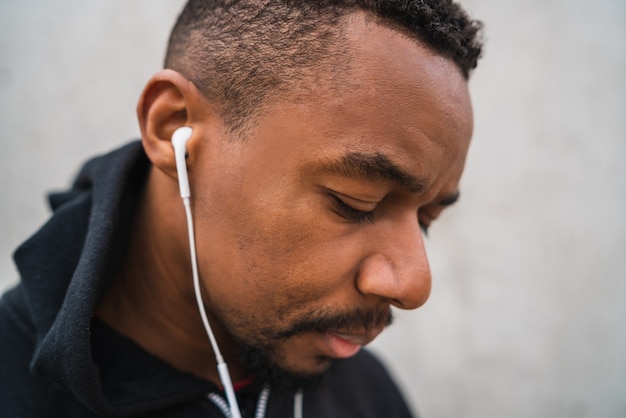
(376,167)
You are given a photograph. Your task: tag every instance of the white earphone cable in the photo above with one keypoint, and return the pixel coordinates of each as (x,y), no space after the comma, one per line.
(222,368)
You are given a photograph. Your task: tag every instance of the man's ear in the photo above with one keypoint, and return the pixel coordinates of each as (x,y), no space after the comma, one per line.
(167,102)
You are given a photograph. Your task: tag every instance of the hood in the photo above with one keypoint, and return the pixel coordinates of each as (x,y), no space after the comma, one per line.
(67,264)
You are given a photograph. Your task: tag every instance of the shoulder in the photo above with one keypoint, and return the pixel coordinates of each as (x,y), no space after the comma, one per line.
(22,392)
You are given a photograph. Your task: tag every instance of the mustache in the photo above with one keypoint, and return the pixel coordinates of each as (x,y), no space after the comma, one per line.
(360,319)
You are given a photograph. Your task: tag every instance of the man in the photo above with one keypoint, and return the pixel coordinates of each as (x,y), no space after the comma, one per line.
(322,139)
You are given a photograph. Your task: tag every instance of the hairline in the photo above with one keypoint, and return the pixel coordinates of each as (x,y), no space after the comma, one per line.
(301,86)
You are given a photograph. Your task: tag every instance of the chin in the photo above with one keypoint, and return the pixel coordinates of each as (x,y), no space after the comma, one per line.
(283,375)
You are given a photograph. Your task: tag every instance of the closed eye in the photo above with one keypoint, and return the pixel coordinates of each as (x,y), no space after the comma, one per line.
(349,213)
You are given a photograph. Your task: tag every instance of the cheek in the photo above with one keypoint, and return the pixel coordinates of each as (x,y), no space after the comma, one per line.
(281,261)
(278,257)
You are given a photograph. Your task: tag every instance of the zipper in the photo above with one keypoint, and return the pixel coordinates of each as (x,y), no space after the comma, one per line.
(261,405)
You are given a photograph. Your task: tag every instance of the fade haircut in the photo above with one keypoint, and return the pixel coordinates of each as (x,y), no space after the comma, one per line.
(239,53)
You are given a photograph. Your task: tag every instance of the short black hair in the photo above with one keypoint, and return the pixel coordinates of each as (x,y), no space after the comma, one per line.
(240,52)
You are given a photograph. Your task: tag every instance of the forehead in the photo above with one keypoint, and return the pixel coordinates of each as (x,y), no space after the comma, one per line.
(394,97)
(401,77)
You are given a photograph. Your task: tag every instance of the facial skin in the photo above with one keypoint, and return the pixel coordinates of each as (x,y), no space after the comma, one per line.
(277,244)
(309,228)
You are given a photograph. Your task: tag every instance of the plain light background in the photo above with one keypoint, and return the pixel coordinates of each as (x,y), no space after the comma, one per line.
(526,318)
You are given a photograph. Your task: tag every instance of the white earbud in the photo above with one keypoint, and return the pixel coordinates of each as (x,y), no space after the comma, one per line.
(179,141)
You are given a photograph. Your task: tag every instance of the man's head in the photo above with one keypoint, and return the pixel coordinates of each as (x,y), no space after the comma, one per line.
(355,130)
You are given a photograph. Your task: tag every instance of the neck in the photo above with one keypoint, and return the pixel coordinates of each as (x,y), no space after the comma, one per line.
(152,300)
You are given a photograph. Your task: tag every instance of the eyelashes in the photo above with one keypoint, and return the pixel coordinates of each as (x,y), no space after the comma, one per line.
(349,213)
(359,216)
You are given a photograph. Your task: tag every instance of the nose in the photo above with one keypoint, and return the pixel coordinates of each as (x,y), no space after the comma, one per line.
(396,266)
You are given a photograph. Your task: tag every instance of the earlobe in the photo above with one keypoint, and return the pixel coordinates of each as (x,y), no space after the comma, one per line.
(163,107)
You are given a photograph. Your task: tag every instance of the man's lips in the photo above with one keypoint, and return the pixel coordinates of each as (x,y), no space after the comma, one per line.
(347,344)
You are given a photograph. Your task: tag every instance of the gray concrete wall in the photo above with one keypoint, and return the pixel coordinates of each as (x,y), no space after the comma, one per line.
(526,317)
